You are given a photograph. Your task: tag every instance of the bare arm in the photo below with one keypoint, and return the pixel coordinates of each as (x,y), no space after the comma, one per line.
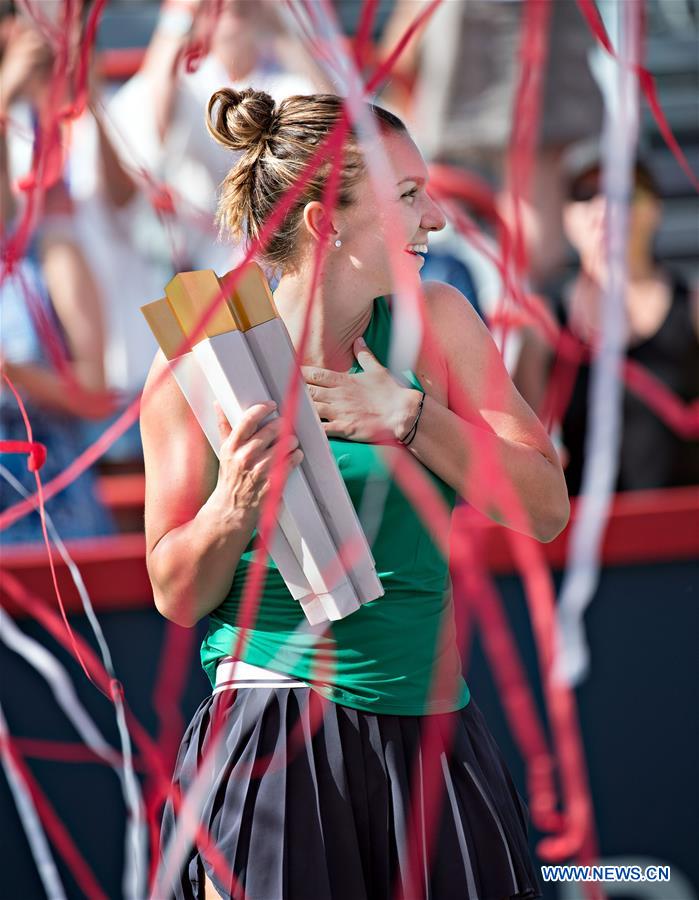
(47,389)
(24,58)
(486,415)
(159,65)
(78,307)
(77,301)
(199,515)
(116,183)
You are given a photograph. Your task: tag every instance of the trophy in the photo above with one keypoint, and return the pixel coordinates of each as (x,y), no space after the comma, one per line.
(241,356)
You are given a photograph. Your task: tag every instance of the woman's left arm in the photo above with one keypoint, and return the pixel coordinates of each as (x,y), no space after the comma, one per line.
(486,415)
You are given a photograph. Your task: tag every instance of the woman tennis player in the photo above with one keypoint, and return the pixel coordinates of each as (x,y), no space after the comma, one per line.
(328,814)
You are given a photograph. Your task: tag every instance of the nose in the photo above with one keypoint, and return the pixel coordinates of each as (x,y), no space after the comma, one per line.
(433,219)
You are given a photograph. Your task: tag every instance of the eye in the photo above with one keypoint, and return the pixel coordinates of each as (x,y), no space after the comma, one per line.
(412,193)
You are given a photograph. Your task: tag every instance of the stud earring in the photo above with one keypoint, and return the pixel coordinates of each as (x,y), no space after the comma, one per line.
(338,243)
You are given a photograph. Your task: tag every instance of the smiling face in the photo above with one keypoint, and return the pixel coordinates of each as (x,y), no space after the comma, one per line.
(406,215)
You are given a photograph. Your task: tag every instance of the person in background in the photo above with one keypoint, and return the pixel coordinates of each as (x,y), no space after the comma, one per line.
(158,113)
(121,236)
(50,290)
(661,335)
(103,216)
(445,263)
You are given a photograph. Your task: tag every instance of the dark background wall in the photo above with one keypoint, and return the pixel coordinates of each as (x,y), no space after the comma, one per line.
(637,712)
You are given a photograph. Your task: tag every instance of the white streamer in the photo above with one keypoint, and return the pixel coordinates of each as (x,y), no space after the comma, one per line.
(406,324)
(38,844)
(619,87)
(136,836)
(62,688)
(189,818)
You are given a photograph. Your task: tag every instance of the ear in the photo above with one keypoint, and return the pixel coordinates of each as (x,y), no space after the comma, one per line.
(315,218)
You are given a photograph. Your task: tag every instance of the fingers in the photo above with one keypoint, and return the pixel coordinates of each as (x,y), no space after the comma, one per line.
(250,441)
(324,410)
(263,468)
(247,426)
(264,443)
(323,377)
(224,426)
(264,439)
(319,393)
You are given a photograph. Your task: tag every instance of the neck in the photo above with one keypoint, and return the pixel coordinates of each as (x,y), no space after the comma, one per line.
(336,319)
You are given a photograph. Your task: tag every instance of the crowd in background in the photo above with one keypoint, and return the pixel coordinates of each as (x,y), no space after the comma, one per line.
(136,198)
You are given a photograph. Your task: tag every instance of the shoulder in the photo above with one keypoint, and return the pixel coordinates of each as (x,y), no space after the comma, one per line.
(451,315)
(470,357)
(159,372)
(162,402)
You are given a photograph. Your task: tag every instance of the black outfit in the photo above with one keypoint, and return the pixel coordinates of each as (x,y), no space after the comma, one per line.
(325,814)
(652,455)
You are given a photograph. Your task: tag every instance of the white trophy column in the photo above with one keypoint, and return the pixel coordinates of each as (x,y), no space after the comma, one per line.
(194,386)
(237,383)
(275,356)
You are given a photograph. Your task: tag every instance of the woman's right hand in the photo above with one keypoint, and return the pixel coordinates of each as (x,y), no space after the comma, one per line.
(245,458)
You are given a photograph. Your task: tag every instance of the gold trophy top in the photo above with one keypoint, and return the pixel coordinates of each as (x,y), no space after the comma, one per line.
(192,294)
(164,325)
(251,298)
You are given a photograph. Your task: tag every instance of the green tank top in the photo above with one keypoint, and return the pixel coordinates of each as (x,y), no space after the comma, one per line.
(382,657)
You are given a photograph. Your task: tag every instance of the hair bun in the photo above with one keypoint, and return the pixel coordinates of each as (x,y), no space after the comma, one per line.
(240,120)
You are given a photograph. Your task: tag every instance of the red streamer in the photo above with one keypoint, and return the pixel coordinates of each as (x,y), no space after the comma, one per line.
(646,83)
(59,834)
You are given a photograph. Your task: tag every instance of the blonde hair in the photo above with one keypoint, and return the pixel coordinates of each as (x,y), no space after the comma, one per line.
(277,143)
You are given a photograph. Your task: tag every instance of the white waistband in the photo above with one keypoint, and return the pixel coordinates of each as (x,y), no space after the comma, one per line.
(232,674)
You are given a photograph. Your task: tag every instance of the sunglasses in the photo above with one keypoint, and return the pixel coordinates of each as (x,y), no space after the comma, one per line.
(585,191)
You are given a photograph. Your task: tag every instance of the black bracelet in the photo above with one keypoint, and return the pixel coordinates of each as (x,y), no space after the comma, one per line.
(413,430)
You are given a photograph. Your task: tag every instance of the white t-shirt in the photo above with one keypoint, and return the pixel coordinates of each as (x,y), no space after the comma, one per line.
(189,160)
(126,276)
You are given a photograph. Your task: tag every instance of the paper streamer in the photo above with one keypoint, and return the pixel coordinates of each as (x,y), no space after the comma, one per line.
(63,691)
(36,837)
(619,88)
(57,831)
(136,868)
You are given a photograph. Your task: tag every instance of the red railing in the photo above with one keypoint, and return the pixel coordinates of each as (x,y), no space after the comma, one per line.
(648,526)
(120,64)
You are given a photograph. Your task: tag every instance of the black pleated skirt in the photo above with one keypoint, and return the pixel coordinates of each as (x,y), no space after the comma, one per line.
(310,800)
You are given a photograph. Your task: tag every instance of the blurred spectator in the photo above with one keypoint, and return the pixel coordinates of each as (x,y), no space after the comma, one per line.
(56,410)
(105,212)
(159,115)
(662,329)
(51,288)
(122,239)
